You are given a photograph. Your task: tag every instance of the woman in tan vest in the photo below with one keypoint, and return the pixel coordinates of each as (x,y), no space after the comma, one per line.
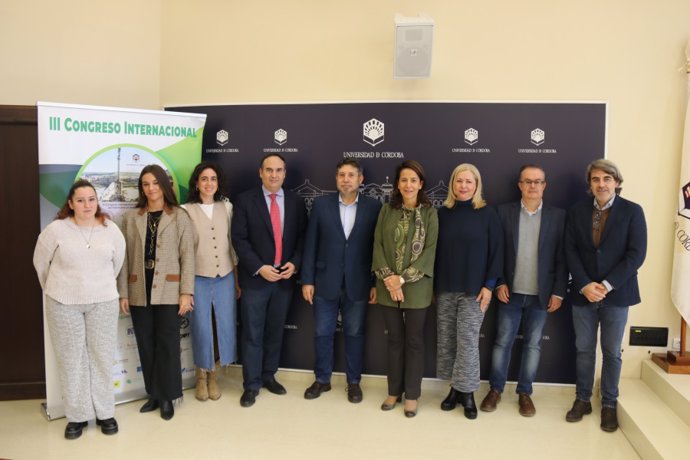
(215,283)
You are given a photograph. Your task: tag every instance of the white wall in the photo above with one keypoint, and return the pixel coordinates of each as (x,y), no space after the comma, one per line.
(80,51)
(174,52)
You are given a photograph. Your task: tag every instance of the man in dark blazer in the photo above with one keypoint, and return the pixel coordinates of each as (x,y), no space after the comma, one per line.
(268,235)
(533,284)
(336,275)
(605,244)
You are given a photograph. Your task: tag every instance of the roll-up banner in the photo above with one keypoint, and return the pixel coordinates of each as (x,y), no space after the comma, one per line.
(497,137)
(109,146)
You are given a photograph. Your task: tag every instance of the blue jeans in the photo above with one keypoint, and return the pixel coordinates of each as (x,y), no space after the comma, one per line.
(586,320)
(217,294)
(525,309)
(326,316)
(263,312)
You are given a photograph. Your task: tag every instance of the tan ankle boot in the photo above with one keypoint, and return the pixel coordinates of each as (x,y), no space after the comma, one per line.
(201,385)
(213,390)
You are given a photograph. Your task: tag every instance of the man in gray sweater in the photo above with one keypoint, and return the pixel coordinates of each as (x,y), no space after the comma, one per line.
(533,284)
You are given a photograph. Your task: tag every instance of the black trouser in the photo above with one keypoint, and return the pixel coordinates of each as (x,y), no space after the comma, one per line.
(157,330)
(263,313)
(405,350)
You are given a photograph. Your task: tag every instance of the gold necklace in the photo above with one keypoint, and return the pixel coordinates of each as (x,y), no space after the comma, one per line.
(152,223)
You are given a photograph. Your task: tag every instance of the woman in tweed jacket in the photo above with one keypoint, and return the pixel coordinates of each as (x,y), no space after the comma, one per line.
(156,284)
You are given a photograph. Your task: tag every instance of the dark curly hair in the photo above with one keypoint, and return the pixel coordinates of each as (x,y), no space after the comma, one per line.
(193,196)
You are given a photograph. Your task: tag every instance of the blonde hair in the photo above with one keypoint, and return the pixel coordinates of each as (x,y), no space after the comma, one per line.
(477,199)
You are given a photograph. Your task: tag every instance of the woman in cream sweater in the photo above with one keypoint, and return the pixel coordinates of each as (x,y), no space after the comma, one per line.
(77,259)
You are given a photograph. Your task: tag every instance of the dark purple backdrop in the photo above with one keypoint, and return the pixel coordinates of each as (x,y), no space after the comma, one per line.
(314,137)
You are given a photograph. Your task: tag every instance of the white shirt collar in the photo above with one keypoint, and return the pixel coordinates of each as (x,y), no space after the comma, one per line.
(530,213)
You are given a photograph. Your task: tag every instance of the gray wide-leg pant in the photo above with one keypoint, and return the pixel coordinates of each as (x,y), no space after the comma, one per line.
(84,339)
(459,322)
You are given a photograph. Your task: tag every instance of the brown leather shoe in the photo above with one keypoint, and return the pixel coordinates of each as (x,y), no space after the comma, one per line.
(579,409)
(527,408)
(609,419)
(490,401)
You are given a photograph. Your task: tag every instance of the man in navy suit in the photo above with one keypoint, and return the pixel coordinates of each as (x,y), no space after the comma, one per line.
(268,235)
(533,284)
(605,244)
(336,275)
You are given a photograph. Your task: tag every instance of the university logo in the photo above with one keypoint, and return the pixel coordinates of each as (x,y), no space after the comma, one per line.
(373,131)
(537,136)
(684,201)
(135,158)
(280,137)
(471,136)
(222,137)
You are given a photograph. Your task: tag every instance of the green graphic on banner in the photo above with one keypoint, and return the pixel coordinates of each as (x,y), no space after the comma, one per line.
(114,171)
(54,186)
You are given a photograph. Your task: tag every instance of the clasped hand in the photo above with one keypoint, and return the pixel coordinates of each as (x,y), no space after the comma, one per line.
(273,274)
(394,287)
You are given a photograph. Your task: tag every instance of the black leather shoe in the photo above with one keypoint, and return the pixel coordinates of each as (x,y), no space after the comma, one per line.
(73,429)
(609,419)
(167,410)
(315,390)
(149,406)
(467,401)
(248,398)
(108,426)
(451,400)
(354,393)
(274,387)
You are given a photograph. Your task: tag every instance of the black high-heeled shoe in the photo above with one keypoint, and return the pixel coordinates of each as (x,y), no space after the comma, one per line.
(150,405)
(451,400)
(467,401)
(167,410)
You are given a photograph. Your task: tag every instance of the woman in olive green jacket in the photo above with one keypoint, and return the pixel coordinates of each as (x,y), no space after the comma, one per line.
(403,261)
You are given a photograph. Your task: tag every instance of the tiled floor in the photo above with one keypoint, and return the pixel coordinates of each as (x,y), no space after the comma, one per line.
(289,427)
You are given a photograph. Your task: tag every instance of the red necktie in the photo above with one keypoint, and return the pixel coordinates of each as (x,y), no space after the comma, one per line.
(277,232)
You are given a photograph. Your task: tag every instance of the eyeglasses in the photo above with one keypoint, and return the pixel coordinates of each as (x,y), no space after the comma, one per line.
(529,182)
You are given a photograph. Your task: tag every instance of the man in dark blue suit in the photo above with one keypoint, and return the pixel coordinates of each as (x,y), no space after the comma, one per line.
(605,244)
(268,235)
(533,284)
(336,275)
